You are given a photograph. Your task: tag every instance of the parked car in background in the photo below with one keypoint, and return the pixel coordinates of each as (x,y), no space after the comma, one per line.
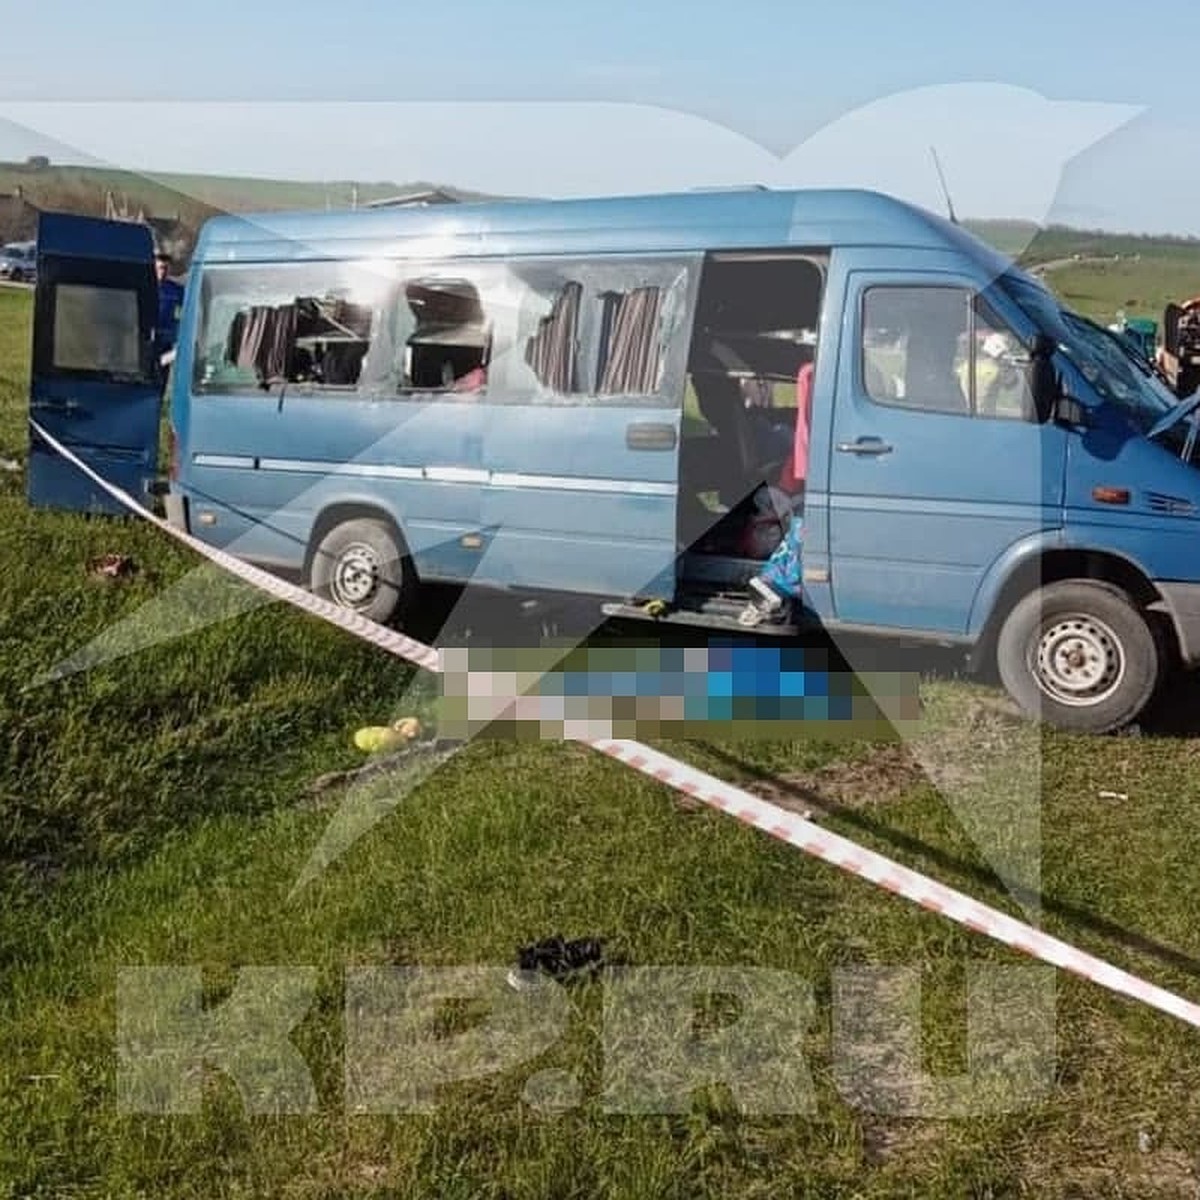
(18,262)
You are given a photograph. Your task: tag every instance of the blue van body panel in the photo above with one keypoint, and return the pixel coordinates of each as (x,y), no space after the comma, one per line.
(921,539)
(1156,533)
(648,224)
(68,235)
(914,531)
(587,507)
(1017,557)
(1159,528)
(375,454)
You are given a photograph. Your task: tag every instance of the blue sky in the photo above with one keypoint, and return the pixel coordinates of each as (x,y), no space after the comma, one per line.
(1013,95)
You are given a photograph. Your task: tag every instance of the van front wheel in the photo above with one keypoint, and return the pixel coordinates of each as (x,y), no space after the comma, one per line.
(361,565)
(1079,655)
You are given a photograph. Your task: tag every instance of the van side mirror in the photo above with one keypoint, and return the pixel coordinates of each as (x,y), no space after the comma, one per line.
(1045,386)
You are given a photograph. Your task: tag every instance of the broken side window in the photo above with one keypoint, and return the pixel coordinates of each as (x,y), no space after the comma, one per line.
(310,324)
(510,328)
(553,351)
(447,337)
(538,331)
(631,346)
(641,311)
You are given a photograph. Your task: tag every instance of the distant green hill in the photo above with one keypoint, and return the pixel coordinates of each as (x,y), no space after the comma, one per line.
(191,198)
(1051,243)
(165,194)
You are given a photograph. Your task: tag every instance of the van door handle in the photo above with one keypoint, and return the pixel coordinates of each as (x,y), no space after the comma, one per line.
(649,435)
(865,445)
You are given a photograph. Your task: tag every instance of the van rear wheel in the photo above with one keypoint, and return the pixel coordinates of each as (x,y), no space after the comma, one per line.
(1080,656)
(362,565)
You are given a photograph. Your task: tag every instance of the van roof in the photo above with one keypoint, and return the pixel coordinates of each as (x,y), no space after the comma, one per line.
(681,221)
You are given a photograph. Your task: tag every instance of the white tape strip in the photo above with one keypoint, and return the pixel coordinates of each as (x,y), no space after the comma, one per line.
(928,893)
(753,810)
(386,639)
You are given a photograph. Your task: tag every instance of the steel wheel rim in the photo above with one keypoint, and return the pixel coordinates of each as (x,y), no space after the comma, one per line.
(1077,660)
(356,575)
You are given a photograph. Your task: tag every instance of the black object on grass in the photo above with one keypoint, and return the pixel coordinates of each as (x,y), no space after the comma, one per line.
(562,960)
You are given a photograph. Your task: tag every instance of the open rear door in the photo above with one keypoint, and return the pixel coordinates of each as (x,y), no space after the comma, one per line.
(94,384)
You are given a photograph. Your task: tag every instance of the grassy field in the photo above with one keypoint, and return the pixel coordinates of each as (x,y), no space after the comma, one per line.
(160,809)
(1138,287)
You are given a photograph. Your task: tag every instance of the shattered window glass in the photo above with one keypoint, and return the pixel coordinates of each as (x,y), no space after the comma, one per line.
(521,331)
(311,324)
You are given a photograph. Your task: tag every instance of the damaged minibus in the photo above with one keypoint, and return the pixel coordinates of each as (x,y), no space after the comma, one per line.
(626,398)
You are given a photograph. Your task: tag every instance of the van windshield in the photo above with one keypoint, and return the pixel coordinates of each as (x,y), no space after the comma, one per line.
(1111,367)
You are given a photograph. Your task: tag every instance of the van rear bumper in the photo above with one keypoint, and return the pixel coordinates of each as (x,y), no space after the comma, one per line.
(1181,601)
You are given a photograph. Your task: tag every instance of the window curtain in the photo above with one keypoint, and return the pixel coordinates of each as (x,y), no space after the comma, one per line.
(261,338)
(630,342)
(552,353)
(278,344)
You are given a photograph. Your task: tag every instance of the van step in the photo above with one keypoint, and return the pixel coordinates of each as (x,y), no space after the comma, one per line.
(710,612)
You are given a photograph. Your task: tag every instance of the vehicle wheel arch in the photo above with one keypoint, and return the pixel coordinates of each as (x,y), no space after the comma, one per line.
(1057,565)
(340,511)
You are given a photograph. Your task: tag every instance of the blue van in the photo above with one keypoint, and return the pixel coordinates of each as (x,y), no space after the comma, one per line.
(625,398)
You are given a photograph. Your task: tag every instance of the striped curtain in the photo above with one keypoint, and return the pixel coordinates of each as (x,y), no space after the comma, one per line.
(630,342)
(553,352)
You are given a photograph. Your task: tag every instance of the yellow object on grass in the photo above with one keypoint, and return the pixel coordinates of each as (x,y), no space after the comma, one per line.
(375,739)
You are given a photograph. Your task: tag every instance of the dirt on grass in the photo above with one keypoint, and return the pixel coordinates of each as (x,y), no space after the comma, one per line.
(881,777)
(952,756)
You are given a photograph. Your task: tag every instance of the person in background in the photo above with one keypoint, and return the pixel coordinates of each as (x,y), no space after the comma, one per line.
(170,307)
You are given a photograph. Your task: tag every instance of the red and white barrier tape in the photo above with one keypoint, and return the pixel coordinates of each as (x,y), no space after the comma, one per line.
(866,864)
(386,639)
(716,793)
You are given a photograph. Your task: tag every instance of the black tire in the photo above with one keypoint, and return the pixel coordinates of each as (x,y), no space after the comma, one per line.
(1080,656)
(363,565)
